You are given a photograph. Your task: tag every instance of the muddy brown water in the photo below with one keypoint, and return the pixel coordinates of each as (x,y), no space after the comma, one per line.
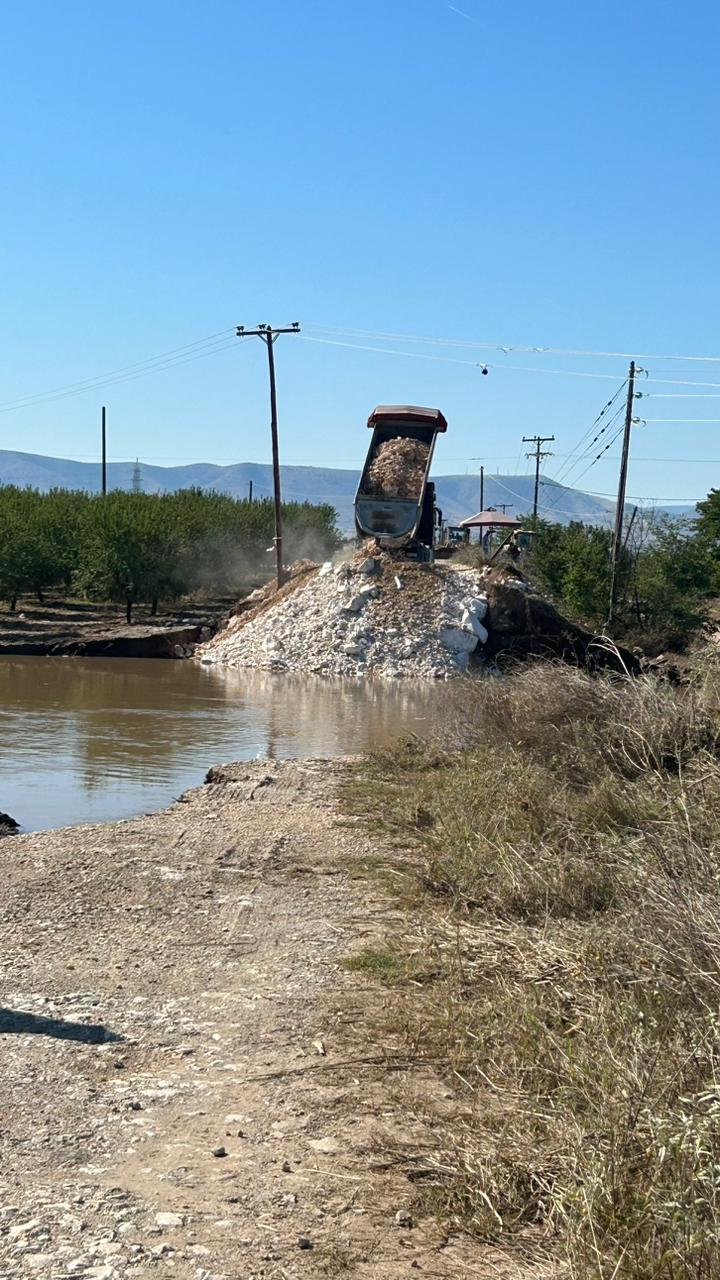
(92,739)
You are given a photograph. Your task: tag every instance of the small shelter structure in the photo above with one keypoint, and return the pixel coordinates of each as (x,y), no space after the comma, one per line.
(487,522)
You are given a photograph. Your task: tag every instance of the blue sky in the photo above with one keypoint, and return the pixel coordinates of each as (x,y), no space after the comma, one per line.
(515,174)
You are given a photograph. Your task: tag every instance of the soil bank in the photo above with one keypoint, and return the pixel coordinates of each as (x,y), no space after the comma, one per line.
(182,1091)
(79,629)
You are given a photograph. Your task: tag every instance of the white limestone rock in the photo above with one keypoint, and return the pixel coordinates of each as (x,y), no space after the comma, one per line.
(458,640)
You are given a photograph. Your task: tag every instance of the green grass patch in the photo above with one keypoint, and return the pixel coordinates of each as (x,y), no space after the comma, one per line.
(377,964)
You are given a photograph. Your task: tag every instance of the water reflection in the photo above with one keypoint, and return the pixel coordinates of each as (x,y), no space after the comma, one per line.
(91,739)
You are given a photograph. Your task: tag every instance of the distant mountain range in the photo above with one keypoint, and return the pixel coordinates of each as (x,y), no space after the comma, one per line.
(458,496)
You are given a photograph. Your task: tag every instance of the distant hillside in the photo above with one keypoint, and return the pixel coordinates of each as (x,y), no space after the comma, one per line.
(458,496)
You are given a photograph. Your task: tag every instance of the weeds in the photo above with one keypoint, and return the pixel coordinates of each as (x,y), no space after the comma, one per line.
(562,868)
(378,964)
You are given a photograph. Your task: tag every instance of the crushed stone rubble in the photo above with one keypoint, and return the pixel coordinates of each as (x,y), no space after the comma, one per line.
(372,616)
(398,469)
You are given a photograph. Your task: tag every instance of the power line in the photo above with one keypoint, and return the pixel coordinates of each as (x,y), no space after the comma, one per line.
(213,339)
(570,373)
(507,348)
(598,456)
(690,461)
(523,498)
(214,343)
(474,364)
(679,382)
(568,473)
(636,498)
(567,466)
(98,385)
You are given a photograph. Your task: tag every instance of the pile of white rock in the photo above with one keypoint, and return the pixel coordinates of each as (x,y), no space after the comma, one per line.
(363,618)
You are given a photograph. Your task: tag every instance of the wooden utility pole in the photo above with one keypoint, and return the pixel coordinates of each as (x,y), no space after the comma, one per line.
(628,531)
(617,544)
(482,488)
(537,454)
(103,475)
(250,492)
(269,336)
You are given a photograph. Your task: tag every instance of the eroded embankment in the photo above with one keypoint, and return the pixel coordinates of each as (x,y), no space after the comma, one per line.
(80,629)
(183,1092)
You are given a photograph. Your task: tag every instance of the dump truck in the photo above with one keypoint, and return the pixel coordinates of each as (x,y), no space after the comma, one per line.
(395,500)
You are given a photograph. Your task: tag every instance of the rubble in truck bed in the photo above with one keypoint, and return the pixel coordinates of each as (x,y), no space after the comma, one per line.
(397,469)
(377,615)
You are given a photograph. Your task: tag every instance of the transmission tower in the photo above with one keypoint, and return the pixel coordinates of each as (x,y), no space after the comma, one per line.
(136,478)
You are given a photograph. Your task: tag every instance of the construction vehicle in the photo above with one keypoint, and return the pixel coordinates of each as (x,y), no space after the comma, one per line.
(450,538)
(408,524)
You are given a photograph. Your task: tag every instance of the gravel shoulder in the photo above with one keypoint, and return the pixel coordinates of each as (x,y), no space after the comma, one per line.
(182,1092)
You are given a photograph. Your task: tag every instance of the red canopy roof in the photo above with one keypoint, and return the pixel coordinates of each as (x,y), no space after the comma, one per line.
(498,518)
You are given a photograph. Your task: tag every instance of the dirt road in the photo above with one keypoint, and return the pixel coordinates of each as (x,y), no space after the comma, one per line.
(181,1089)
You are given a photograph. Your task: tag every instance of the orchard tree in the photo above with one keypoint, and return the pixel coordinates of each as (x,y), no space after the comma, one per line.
(126,554)
(132,547)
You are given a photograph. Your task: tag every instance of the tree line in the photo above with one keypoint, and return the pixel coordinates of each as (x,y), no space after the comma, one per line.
(132,548)
(668,570)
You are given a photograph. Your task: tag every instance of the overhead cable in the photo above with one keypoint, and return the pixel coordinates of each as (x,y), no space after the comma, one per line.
(97,385)
(678,382)
(524,498)
(474,364)
(635,497)
(598,456)
(670,382)
(212,338)
(508,348)
(581,442)
(569,476)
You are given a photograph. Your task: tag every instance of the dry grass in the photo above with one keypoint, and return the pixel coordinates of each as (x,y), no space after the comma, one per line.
(561,879)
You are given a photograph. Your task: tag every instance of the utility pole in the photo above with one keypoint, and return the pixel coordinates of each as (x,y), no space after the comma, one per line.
(628,531)
(617,544)
(250,492)
(269,336)
(103,477)
(506,506)
(482,488)
(537,454)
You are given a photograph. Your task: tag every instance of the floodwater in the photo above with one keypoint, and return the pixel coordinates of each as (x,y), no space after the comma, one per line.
(93,739)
